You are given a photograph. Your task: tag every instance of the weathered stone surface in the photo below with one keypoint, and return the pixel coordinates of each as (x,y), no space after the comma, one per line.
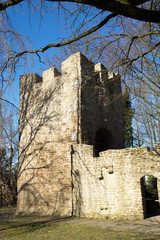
(67,123)
(110,186)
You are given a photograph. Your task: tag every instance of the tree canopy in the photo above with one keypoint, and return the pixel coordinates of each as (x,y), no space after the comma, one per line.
(123,34)
(142,10)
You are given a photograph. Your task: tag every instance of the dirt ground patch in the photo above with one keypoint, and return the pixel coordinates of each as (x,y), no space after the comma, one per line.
(149,225)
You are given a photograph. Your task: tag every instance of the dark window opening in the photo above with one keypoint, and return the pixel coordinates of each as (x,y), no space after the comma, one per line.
(150,198)
(103,141)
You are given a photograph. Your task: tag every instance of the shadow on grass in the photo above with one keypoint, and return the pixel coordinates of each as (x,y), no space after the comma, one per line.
(49,227)
(29,222)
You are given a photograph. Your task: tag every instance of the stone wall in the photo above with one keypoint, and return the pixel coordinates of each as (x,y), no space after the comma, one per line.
(109,186)
(67,120)
(57,110)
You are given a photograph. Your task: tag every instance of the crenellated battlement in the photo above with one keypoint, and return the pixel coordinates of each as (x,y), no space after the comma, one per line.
(77,66)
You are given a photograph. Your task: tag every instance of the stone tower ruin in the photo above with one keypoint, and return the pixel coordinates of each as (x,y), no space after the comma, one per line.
(69,122)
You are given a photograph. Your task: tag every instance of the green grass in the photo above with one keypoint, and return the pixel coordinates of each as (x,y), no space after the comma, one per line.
(60,230)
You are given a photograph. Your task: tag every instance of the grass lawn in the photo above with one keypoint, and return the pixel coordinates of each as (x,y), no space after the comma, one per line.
(62,230)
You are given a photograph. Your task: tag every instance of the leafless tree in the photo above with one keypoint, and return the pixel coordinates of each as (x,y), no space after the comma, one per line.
(8,155)
(87,13)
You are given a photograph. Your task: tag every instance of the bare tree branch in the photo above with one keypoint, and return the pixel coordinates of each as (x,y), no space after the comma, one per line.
(9,102)
(10,3)
(119,7)
(125,8)
(129,61)
(101,24)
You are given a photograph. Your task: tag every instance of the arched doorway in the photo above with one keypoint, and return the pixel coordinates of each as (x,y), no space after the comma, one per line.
(103,141)
(150,198)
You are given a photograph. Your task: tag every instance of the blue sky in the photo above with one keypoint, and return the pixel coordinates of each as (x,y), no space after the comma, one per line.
(50,29)
(41,32)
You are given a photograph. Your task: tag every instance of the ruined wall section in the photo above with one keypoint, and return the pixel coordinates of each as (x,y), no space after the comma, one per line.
(109,186)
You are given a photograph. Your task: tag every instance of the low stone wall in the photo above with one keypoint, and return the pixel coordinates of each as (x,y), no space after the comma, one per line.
(110,185)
